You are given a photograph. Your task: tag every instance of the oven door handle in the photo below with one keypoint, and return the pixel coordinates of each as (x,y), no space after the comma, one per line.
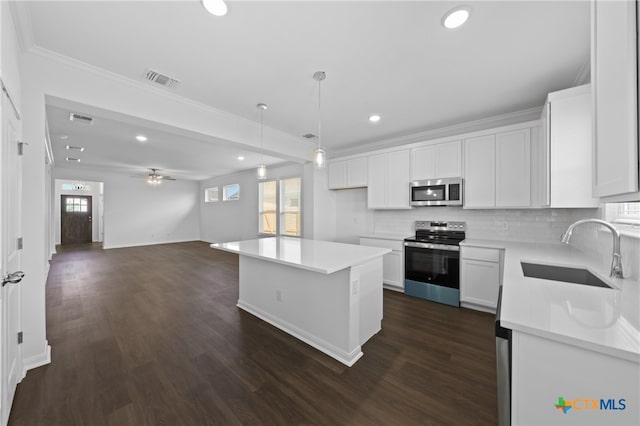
(431,246)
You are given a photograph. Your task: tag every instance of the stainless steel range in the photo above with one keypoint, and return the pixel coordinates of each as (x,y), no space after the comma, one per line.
(432,261)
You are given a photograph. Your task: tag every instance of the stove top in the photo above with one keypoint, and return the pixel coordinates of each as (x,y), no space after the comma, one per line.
(437,232)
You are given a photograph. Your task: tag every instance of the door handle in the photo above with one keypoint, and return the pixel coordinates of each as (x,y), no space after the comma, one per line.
(14,278)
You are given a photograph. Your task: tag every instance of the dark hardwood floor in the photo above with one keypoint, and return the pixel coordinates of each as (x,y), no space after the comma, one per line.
(151,335)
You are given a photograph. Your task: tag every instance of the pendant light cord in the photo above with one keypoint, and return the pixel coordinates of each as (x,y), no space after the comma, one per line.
(261,134)
(319,113)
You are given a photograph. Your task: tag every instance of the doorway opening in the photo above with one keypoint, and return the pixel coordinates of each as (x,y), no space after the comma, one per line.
(79,212)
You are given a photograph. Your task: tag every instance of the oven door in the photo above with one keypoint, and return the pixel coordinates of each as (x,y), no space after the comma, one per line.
(432,263)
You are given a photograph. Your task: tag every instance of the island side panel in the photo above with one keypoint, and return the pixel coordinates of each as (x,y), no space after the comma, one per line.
(314,307)
(367,280)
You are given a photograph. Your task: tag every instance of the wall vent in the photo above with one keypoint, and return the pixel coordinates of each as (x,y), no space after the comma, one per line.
(309,136)
(161,79)
(84,119)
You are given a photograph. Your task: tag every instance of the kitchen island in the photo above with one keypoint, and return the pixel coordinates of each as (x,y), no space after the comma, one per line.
(329,295)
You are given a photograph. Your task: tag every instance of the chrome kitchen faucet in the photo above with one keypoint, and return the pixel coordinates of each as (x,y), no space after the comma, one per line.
(616,262)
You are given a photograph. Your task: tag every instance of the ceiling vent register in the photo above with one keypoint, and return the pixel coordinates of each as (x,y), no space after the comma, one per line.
(79,118)
(161,79)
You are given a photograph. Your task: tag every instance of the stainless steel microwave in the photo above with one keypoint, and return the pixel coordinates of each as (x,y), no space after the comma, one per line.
(436,192)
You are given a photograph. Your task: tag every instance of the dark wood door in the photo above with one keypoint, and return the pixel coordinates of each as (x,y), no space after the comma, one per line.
(75,219)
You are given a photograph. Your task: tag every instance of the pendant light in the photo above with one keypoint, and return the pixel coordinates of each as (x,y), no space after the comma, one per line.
(319,154)
(262,168)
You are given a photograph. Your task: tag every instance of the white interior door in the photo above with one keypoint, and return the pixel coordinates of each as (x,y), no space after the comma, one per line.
(10,258)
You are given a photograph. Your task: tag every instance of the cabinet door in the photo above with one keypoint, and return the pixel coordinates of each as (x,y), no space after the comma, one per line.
(398,179)
(377,181)
(392,269)
(513,169)
(479,283)
(448,159)
(357,172)
(337,171)
(571,149)
(614,89)
(479,172)
(423,163)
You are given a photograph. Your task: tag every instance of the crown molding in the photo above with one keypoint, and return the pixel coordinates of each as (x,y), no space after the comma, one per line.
(22,22)
(525,115)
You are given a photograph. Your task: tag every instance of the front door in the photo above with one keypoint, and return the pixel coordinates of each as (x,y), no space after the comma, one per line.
(10,257)
(75,219)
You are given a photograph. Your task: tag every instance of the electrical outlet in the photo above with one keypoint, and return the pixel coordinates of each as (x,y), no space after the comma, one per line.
(279,295)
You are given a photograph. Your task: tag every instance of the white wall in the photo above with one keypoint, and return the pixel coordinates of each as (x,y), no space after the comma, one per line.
(94,191)
(238,220)
(136,213)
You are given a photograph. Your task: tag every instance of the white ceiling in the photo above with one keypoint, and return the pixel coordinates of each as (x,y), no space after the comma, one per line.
(110,144)
(388,57)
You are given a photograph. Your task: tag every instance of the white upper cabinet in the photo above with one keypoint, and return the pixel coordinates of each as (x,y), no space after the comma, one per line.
(614,80)
(388,180)
(513,168)
(497,170)
(443,160)
(567,139)
(351,173)
(480,172)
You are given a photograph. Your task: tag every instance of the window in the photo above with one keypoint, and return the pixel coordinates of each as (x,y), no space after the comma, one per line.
(290,207)
(625,214)
(280,207)
(267,207)
(76,205)
(211,195)
(76,187)
(231,192)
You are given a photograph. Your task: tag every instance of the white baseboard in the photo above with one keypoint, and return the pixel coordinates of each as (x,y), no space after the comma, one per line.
(347,358)
(38,360)
(149,243)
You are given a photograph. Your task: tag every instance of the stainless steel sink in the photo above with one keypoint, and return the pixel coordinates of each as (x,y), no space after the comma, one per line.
(561,273)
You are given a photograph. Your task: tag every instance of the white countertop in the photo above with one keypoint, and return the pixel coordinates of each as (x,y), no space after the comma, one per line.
(383,236)
(599,319)
(314,255)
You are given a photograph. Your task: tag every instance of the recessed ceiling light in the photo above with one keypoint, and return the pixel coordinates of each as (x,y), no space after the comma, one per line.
(77,160)
(141,138)
(215,7)
(64,137)
(455,17)
(374,118)
(240,157)
(75,148)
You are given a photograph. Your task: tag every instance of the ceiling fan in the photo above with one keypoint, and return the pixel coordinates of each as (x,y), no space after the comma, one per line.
(155,178)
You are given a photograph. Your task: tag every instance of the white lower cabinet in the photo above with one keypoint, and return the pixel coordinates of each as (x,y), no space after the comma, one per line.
(393,263)
(480,274)
(601,389)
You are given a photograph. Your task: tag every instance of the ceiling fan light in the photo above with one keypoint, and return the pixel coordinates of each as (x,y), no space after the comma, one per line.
(215,7)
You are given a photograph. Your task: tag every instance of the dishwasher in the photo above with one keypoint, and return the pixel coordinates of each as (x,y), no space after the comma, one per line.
(503,367)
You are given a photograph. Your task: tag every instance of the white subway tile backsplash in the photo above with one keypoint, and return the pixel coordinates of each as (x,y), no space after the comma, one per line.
(532,225)
(535,225)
